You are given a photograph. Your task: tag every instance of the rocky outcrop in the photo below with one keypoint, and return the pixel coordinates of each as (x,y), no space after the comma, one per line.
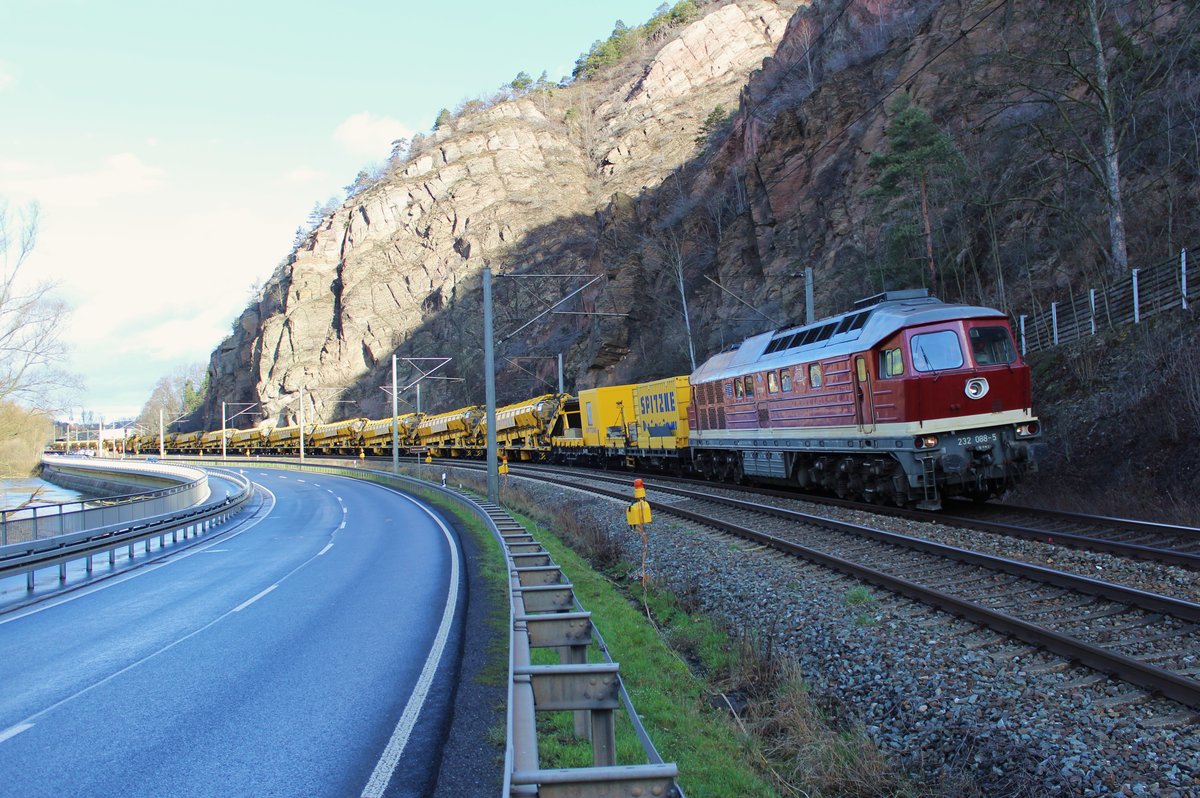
(514,182)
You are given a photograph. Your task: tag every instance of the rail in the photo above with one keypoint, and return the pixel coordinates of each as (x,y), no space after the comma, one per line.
(135,522)
(544,613)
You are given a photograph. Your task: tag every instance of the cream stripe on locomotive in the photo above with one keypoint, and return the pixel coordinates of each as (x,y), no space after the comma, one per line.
(909,429)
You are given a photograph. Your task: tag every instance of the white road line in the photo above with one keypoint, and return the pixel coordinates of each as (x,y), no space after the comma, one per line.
(382,774)
(328,546)
(342,525)
(299,480)
(250,601)
(13,731)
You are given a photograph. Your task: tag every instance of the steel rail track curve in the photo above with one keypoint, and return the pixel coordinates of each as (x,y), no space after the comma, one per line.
(1181,687)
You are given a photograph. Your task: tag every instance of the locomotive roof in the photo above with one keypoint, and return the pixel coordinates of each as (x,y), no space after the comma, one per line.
(871,321)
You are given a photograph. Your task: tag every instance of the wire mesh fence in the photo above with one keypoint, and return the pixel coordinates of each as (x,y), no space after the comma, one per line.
(1155,289)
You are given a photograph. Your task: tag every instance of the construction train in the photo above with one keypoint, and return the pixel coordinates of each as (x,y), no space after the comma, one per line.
(904,399)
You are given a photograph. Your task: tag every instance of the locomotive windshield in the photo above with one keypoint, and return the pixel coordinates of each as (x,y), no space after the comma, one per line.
(936,351)
(991,346)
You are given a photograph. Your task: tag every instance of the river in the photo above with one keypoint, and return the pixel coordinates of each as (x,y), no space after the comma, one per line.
(17,491)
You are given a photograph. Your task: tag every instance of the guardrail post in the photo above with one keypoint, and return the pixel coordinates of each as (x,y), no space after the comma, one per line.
(62,573)
(112,557)
(1137,311)
(89,565)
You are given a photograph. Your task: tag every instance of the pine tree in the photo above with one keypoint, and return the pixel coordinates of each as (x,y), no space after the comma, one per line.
(919,154)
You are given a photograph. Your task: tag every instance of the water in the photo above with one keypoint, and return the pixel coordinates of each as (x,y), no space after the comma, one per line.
(14,492)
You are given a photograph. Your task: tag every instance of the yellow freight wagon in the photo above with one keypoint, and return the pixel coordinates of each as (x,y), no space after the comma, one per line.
(455,433)
(377,435)
(248,441)
(525,429)
(662,420)
(608,417)
(606,426)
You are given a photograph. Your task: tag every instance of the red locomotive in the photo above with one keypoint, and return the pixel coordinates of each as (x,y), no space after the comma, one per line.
(904,399)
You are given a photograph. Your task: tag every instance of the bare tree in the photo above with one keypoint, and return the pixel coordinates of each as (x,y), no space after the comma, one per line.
(173,396)
(669,248)
(31,318)
(1094,87)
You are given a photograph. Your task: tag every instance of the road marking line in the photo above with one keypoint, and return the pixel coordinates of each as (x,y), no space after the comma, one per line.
(343,525)
(386,766)
(13,731)
(328,546)
(250,601)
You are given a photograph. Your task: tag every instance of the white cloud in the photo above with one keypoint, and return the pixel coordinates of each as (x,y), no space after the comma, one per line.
(120,174)
(368,136)
(7,79)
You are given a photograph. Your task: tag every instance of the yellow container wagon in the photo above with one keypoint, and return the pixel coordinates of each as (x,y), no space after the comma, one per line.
(662,422)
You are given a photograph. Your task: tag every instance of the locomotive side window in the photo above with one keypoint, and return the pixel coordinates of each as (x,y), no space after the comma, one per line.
(936,351)
(891,362)
(991,346)
(785,380)
(814,375)
(738,391)
(749,387)
(772,382)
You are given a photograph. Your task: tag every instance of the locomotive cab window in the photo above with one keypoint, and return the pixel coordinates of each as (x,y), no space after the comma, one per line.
(891,362)
(738,391)
(814,375)
(772,382)
(991,346)
(785,380)
(936,351)
(750,387)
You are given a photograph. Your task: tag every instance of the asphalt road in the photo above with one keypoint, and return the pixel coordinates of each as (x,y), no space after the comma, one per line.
(311,651)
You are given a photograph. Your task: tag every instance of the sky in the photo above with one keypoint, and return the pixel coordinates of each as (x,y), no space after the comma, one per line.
(173,148)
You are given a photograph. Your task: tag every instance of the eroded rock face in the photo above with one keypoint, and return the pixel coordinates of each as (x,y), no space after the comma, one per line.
(394,259)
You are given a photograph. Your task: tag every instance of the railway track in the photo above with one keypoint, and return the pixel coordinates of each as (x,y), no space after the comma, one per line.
(1146,639)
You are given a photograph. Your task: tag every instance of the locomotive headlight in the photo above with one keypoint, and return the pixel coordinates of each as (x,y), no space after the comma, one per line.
(926,442)
(977,388)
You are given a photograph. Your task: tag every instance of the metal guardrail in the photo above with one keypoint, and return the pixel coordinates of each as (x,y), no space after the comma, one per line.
(543,612)
(44,521)
(34,554)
